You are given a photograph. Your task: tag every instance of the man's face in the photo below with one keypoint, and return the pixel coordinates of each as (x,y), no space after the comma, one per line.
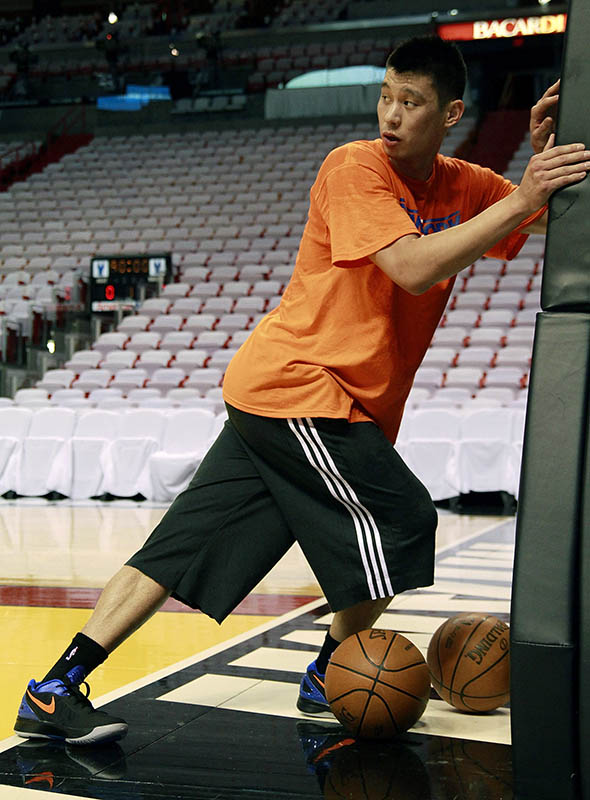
(411,122)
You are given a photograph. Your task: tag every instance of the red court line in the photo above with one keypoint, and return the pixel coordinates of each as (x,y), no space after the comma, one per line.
(76,597)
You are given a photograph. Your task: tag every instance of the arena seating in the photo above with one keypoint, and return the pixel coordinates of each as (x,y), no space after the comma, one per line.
(233,231)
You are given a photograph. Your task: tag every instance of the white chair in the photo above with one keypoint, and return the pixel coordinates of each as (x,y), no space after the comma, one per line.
(188,360)
(221,358)
(128,379)
(449,336)
(512,377)
(212,340)
(465,377)
(134,323)
(514,356)
(185,442)
(54,379)
(483,454)
(117,360)
(125,461)
(14,426)
(475,356)
(94,430)
(91,379)
(64,397)
(196,323)
(143,340)
(486,337)
(110,341)
(441,357)
(166,378)
(175,341)
(151,360)
(164,323)
(84,359)
(203,379)
(32,398)
(431,450)
(138,396)
(42,465)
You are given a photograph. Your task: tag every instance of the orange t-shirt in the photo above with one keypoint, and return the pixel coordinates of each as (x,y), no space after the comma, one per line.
(346,341)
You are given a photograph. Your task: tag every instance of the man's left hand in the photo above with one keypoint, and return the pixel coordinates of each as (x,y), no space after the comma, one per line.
(543,114)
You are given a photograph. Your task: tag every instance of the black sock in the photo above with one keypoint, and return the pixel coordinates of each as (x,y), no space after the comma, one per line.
(82,656)
(328,648)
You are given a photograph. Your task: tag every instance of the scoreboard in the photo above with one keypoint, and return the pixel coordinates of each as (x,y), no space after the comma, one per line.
(122,283)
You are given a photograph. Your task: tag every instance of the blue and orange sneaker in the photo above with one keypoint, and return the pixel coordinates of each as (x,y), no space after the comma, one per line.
(57,709)
(312,695)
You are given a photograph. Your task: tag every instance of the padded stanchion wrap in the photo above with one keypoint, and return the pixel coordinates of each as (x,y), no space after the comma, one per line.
(566,276)
(584,644)
(544,628)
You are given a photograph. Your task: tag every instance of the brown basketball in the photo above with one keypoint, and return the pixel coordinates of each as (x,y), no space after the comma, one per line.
(469,662)
(377,684)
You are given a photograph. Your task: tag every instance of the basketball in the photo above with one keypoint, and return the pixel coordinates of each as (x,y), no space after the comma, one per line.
(469,662)
(377,684)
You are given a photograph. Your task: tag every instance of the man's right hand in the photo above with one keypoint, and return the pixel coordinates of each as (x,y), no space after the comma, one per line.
(550,170)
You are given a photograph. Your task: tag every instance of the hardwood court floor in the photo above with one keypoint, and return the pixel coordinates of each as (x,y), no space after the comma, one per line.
(212,708)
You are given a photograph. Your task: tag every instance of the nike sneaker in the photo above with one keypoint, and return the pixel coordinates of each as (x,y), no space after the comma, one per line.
(58,709)
(312,694)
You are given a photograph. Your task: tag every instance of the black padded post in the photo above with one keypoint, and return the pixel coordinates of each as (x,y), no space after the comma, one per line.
(544,628)
(566,275)
(584,643)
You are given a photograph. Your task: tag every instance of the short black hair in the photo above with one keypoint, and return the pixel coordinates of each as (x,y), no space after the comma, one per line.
(436,58)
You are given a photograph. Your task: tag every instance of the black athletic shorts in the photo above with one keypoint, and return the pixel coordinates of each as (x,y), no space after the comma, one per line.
(364,522)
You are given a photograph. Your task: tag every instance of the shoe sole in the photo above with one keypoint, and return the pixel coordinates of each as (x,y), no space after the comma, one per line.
(312,707)
(105,733)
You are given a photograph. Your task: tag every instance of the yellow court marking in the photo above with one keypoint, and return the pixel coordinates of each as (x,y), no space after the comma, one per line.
(34,638)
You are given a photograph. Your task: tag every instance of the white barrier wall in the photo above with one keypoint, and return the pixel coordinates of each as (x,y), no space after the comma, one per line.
(83,453)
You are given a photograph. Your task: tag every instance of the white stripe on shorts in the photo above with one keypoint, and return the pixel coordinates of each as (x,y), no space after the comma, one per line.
(367,532)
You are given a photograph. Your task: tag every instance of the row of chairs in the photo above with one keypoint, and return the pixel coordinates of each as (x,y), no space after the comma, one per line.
(90,452)
(456,451)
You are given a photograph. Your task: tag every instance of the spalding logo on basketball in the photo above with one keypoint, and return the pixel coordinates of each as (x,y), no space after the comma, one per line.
(377,684)
(469,661)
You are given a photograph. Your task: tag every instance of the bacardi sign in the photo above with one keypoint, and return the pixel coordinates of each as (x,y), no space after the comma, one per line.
(504,28)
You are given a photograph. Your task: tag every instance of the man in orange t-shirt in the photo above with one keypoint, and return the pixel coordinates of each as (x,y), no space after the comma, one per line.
(315,396)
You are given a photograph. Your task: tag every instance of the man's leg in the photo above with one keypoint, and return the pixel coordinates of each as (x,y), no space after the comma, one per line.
(357,618)
(345,623)
(128,600)
(55,706)
(226,504)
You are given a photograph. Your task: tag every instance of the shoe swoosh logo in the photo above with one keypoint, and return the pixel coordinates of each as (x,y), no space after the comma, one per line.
(49,708)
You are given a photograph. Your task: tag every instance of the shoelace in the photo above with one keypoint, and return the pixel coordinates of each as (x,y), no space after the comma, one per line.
(76,691)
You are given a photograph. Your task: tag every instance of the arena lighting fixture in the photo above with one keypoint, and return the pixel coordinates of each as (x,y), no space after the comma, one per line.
(51,346)
(453,12)
(544,2)
(174,51)
(112,18)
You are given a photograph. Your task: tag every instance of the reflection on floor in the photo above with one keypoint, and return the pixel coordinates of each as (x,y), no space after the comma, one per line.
(212,709)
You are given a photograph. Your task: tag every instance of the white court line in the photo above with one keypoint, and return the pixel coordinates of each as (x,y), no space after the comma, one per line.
(479,590)
(503,575)
(469,561)
(491,546)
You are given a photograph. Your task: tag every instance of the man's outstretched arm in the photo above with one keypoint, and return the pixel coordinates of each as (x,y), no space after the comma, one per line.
(418,262)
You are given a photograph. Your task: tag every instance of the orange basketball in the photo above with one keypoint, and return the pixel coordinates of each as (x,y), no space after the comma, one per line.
(377,684)
(469,662)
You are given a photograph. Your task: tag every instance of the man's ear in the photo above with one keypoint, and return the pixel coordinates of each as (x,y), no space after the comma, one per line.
(455,110)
